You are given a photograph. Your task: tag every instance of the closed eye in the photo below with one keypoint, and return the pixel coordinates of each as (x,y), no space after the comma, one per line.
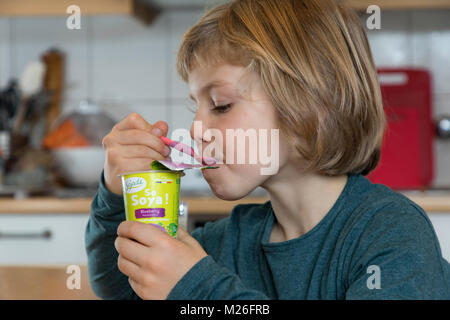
(222,109)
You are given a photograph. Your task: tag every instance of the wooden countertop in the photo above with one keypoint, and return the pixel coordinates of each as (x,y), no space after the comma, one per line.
(42,283)
(430,202)
(42,205)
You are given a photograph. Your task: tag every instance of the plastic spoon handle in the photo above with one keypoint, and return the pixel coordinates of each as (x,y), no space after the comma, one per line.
(187,150)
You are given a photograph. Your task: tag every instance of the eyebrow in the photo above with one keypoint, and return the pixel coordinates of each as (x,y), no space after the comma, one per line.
(209,86)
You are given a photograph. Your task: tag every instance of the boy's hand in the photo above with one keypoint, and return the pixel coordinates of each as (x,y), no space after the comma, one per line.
(132,145)
(154,261)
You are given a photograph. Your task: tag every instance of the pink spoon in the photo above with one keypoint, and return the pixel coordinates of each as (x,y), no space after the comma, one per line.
(188,150)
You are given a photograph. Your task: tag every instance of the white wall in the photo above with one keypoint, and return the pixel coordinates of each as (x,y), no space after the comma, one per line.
(127,66)
(441,225)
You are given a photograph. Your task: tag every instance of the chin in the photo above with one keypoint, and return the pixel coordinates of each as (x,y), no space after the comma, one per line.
(224,187)
(228,195)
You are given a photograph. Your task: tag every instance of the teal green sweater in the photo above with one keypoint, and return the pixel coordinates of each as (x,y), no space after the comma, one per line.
(373,244)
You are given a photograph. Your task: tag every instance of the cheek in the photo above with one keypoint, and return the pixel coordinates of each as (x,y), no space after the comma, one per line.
(285,149)
(232,182)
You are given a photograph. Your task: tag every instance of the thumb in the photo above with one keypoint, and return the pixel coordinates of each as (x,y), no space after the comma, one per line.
(162,125)
(190,242)
(182,235)
(186,238)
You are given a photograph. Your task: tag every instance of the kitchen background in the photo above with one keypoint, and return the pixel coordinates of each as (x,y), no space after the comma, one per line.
(123,65)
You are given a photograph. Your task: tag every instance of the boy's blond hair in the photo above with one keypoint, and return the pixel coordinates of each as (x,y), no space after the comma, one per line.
(315,63)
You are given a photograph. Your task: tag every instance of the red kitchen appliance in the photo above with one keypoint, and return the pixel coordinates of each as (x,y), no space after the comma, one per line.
(407,154)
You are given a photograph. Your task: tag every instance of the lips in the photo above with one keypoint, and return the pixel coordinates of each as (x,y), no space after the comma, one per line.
(217,158)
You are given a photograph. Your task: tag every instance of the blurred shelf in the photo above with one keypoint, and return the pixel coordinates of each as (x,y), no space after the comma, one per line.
(431,203)
(51,205)
(142,9)
(45,205)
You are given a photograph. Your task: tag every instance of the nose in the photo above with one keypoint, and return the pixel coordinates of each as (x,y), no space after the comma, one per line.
(198,128)
(206,135)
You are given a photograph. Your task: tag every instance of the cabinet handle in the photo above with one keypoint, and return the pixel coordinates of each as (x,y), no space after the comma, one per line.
(46,234)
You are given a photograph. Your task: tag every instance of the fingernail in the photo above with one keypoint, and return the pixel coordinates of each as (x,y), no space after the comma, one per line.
(166,151)
(157,132)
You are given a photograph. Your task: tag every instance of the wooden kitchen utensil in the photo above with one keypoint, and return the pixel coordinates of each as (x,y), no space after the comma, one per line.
(54,82)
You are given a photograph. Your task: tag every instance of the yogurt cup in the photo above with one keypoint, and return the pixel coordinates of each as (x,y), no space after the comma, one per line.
(153,197)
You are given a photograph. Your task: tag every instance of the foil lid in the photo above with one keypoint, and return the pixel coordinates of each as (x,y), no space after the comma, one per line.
(177,166)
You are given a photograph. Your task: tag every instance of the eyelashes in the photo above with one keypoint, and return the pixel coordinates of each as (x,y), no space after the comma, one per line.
(192,107)
(222,109)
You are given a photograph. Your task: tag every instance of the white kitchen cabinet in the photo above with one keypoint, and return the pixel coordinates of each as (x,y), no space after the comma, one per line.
(43,239)
(46,239)
(58,239)
(441,224)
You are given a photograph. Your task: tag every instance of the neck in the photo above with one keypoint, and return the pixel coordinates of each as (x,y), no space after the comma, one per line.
(300,200)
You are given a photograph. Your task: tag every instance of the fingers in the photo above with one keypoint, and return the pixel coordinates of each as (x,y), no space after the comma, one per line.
(138,137)
(140,151)
(139,288)
(134,121)
(131,250)
(131,146)
(134,130)
(186,238)
(128,267)
(136,276)
(133,165)
(181,234)
(145,234)
(162,126)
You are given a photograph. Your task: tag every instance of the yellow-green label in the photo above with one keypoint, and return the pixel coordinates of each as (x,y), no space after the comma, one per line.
(153,197)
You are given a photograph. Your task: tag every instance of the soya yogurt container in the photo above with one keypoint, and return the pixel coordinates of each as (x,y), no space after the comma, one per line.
(153,197)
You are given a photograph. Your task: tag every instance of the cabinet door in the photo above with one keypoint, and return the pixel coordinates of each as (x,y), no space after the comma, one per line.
(53,239)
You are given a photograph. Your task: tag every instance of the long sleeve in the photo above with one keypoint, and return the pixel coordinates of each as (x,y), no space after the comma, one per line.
(206,280)
(107,212)
(209,280)
(401,260)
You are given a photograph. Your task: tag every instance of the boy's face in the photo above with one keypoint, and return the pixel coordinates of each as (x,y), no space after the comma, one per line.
(247,108)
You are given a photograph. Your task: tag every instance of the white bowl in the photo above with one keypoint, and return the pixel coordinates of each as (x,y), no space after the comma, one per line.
(80,167)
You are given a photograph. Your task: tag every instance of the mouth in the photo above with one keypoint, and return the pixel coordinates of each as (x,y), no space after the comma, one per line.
(216,157)
(218,160)
(208,161)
